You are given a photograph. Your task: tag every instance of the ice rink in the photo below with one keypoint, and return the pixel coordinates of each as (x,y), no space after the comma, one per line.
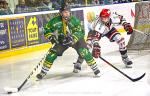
(61,81)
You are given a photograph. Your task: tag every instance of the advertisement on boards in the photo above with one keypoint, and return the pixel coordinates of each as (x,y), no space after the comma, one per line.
(32,29)
(4,39)
(17,32)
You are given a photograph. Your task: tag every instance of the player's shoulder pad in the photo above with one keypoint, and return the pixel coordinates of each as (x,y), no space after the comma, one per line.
(114,15)
(55,19)
(75,19)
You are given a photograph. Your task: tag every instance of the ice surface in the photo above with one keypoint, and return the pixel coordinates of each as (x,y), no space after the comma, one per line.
(60,81)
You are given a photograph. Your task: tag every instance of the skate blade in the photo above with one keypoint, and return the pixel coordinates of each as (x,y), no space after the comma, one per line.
(128,66)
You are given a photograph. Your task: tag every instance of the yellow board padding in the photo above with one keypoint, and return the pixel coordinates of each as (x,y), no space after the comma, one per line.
(11,18)
(22,50)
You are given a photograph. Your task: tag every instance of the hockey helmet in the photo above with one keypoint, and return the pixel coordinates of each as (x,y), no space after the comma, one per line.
(105,13)
(64,7)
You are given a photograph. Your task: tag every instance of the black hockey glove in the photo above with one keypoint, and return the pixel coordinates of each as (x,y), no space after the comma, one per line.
(68,41)
(53,39)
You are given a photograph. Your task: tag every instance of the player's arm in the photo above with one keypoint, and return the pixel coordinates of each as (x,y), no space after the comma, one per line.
(93,43)
(78,31)
(123,22)
(49,30)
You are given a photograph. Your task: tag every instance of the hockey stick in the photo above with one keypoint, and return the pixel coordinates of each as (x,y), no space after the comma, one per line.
(140,32)
(13,90)
(133,80)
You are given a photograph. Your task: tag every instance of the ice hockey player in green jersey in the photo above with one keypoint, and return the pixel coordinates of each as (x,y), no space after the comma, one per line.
(66,31)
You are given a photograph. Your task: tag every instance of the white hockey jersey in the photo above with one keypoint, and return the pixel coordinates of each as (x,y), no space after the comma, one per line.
(114,21)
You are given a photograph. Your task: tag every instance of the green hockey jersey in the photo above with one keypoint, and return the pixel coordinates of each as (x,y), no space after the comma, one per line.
(59,28)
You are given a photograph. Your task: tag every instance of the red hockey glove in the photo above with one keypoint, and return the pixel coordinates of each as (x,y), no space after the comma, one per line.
(96,52)
(128,28)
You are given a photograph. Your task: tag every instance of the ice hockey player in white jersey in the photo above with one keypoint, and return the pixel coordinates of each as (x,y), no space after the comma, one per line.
(105,25)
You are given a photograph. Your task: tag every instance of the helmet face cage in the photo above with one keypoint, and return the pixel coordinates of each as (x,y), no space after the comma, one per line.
(105,13)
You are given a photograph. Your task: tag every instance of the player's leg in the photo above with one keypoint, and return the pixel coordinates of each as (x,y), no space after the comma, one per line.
(92,38)
(57,50)
(84,52)
(114,35)
(82,49)
(123,50)
(77,64)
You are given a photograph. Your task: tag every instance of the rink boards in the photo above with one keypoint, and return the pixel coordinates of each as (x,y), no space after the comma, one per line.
(23,31)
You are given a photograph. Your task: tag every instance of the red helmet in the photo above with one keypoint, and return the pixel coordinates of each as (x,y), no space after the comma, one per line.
(105,13)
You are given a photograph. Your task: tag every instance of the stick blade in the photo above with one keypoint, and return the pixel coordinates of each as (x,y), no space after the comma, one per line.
(139,78)
(10,90)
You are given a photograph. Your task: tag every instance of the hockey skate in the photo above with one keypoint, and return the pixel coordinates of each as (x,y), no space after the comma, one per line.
(95,70)
(127,62)
(97,73)
(77,67)
(41,75)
